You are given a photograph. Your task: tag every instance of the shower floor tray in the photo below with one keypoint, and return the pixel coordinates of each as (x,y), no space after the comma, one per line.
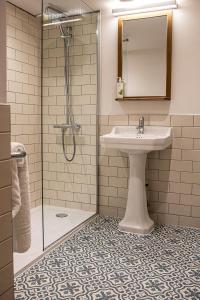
(54,229)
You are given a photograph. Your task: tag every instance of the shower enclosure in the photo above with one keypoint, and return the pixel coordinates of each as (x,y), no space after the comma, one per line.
(69,118)
(67,179)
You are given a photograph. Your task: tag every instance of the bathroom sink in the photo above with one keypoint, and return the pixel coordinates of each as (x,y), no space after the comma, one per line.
(127,139)
(137,145)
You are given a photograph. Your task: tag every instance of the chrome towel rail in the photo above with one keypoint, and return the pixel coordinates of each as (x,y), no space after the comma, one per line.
(20,154)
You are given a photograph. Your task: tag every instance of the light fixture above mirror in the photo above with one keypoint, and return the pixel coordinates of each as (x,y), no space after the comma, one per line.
(141,6)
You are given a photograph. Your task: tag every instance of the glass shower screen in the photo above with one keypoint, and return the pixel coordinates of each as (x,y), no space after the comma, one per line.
(69,116)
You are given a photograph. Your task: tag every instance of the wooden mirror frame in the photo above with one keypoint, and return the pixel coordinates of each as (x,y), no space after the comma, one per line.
(168,14)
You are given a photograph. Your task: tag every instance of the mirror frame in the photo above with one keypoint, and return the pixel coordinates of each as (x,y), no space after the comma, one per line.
(168,14)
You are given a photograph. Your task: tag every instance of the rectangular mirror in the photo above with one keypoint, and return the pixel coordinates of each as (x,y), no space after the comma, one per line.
(144,56)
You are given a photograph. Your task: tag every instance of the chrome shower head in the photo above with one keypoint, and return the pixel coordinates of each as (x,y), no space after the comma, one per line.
(65,33)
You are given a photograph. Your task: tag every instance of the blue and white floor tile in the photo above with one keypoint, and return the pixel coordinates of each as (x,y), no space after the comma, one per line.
(101,263)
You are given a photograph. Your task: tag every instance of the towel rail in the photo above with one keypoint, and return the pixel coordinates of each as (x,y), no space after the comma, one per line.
(20,154)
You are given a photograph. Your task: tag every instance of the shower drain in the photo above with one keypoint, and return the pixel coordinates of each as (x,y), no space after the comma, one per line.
(61,215)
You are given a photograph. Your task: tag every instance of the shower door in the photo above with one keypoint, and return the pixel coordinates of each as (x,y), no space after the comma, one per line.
(69,116)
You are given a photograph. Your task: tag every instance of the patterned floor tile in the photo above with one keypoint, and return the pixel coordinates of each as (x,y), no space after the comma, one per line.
(101,263)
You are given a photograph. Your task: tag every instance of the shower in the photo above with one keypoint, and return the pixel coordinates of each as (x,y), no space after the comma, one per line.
(60,18)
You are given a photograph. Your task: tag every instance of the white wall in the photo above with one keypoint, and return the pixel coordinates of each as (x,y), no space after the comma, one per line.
(185,70)
(2,51)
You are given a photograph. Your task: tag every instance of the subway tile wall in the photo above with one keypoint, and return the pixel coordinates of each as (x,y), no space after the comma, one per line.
(71,184)
(23,89)
(172,175)
(6,257)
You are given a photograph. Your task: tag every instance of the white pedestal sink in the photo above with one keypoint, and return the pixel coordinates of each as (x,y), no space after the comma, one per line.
(126,139)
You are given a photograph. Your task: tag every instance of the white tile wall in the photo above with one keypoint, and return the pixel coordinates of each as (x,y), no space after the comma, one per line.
(173,175)
(71,184)
(23,89)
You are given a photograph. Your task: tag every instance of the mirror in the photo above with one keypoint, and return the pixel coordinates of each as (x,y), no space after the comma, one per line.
(144,56)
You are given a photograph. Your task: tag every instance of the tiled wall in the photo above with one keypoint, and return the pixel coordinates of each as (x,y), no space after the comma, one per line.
(172,175)
(6,256)
(23,89)
(71,184)
(2,51)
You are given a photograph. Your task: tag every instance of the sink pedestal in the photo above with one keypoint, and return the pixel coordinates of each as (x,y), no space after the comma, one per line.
(136,219)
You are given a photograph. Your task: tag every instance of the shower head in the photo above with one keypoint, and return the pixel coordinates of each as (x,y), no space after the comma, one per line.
(67,34)
(55,16)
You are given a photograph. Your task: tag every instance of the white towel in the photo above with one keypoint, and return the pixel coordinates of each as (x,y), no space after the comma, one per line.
(17,147)
(16,197)
(22,220)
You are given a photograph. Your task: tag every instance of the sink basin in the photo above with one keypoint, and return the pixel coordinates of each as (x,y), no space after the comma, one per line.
(127,139)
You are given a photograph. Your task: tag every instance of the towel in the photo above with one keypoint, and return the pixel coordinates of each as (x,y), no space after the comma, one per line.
(16,197)
(21,202)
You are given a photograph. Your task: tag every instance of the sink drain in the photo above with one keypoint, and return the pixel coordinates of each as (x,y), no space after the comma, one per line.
(61,215)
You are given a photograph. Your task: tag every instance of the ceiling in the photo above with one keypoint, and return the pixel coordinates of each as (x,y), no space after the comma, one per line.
(34,6)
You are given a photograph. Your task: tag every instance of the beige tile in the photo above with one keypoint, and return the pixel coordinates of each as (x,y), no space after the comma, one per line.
(152,174)
(189,221)
(177,132)
(180,120)
(5,173)
(117,202)
(6,226)
(103,201)
(168,219)
(4,118)
(169,197)
(8,295)
(190,177)
(5,200)
(118,182)
(196,166)
(118,161)
(122,192)
(152,196)
(103,120)
(197,144)
(134,120)
(190,132)
(108,191)
(123,172)
(6,253)
(158,207)
(180,210)
(118,120)
(196,212)
(108,171)
(159,186)
(183,165)
(192,200)
(5,146)
(196,189)
(6,278)
(158,164)
(120,212)
(183,143)
(196,120)
(184,188)
(170,154)
(159,120)
(169,176)
(108,211)
(193,155)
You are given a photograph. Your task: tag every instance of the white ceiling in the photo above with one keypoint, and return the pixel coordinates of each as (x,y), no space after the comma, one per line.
(34,6)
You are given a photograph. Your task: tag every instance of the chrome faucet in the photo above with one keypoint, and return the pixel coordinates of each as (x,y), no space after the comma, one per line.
(140,126)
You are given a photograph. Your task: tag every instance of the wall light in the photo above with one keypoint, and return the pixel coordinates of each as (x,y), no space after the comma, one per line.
(142,6)
(62,22)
